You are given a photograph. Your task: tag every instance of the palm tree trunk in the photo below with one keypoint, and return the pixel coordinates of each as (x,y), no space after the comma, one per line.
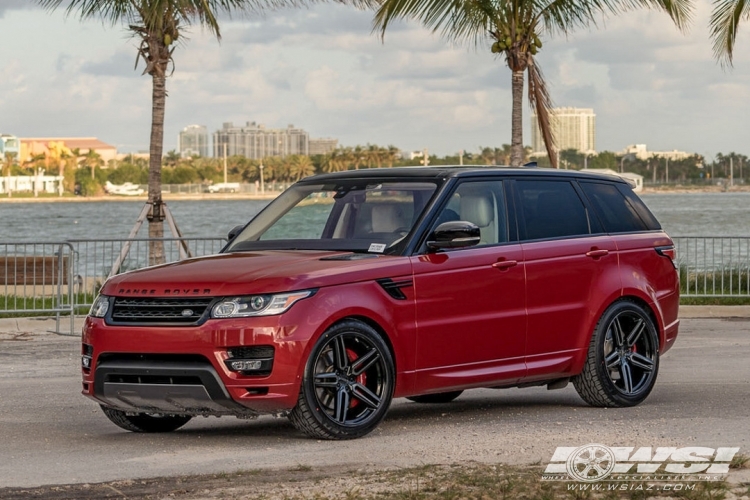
(156,215)
(516,143)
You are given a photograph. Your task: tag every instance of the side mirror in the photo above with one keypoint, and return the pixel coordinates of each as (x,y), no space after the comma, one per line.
(234,232)
(454,234)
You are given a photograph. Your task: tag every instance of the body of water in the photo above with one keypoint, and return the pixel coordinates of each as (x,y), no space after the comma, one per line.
(694,214)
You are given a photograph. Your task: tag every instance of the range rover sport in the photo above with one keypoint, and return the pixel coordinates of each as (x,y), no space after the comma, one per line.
(354,288)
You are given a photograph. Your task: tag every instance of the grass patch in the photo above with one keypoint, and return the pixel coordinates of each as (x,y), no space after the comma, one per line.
(722,281)
(714,301)
(465,481)
(36,306)
(740,461)
(721,287)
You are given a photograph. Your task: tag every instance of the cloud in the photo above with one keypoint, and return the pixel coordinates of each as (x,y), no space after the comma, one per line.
(324,70)
(8,5)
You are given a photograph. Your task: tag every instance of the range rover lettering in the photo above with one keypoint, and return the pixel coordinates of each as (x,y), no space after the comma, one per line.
(354,288)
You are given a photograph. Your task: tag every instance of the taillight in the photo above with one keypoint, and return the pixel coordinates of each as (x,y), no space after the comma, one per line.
(670,252)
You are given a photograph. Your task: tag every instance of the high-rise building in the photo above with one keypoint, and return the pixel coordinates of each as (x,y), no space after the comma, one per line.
(255,141)
(573,128)
(193,140)
(322,146)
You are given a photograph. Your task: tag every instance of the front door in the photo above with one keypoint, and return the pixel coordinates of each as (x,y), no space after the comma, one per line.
(470,302)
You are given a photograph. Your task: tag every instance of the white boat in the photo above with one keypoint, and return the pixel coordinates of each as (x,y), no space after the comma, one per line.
(126,189)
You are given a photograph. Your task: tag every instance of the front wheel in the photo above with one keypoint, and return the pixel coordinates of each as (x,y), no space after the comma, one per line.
(145,422)
(347,385)
(623,358)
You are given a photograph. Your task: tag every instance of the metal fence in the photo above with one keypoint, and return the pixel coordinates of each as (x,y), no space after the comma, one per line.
(712,266)
(244,187)
(63,278)
(38,278)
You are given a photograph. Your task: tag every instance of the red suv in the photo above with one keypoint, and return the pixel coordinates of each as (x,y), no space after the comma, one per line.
(353,288)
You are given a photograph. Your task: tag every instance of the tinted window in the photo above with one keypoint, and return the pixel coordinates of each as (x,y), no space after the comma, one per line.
(551,209)
(613,209)
(646,216)
(482,203)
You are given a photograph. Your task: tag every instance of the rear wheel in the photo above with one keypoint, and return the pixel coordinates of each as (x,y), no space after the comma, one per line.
(348,383)
(145,422)
(623,358)
(441,397)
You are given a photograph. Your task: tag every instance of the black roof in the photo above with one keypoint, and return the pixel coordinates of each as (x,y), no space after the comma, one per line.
(442,172)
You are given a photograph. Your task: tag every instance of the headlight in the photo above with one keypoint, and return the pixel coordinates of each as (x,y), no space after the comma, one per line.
(257,305)
(100,307)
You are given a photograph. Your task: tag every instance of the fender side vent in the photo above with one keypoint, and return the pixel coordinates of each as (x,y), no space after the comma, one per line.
(393,288)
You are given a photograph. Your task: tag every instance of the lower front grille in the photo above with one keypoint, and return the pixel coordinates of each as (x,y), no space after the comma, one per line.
(155,310)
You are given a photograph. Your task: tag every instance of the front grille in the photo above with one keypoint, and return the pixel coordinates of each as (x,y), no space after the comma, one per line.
(181,311)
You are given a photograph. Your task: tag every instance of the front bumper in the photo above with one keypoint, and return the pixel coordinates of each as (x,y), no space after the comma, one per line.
(182,370)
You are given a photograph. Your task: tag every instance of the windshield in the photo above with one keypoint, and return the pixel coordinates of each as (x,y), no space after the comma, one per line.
(354,215)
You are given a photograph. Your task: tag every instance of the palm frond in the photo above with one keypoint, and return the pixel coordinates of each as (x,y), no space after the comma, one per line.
(457,20)
(541,102)
(681,11)
(725,20)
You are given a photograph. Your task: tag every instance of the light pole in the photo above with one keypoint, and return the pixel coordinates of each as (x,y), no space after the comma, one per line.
(666,172)
(225,164)
(262,188)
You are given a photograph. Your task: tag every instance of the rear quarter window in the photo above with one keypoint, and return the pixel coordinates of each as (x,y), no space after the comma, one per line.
(616,212)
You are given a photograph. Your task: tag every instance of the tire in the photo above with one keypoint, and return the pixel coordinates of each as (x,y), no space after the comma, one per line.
(623,358)
(348,383)
(144,422)
(441,397)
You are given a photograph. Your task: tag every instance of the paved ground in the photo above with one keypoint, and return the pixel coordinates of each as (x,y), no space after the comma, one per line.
(52,435)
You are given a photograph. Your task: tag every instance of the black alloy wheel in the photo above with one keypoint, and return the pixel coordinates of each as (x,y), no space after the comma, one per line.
(623,358)
(348,383)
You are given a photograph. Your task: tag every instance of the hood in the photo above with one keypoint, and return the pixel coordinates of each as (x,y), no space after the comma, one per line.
(245,273)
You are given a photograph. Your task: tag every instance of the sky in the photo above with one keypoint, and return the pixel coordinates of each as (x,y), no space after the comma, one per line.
(322,69)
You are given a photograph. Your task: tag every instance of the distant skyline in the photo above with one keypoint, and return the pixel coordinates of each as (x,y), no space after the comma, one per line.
(322,70)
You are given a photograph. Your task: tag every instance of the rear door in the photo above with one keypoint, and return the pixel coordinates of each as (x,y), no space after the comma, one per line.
(571,266)
(470,302)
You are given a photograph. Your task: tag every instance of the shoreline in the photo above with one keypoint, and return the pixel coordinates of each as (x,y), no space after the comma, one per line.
(143,199)
(678,189)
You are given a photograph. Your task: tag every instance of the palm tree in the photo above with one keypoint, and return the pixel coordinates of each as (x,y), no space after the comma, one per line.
(9,159)
(158,24)
(513,29)
(300,166)
(393,154)
(334,161)
(725,20)
(92,159)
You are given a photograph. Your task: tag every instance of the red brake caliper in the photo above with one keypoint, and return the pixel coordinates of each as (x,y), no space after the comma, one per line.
(361,378)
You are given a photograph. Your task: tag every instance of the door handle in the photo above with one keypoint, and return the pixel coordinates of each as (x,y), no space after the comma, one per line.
(504,264)
(595,254)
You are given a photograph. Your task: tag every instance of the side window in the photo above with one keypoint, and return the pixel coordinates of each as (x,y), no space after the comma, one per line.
(646,216)
(551,209)
(482,203)
(617,214)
